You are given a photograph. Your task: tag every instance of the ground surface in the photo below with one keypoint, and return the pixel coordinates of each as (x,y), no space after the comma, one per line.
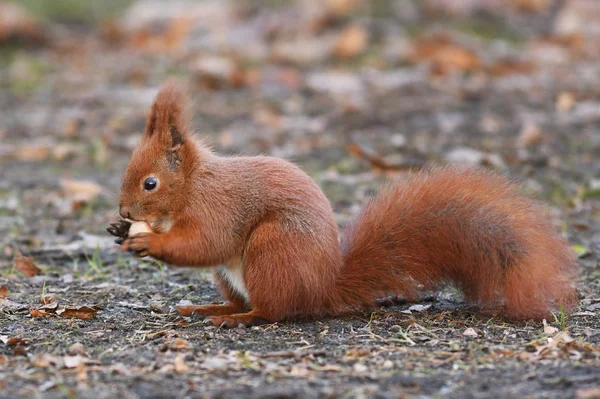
(513,93)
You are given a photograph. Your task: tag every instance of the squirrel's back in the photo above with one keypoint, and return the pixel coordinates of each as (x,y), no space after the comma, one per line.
(467,227)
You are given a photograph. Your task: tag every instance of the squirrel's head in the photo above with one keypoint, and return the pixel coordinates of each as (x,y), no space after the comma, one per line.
(154,184)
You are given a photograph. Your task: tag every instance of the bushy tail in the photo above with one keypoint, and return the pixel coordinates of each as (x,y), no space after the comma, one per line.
(466,227)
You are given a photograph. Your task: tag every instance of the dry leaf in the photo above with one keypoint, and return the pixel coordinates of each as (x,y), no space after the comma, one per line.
(178,344)
(180,366)
(299,371)
(40,313)
(158,307)
(217,72)
(49,307)
(6,305)
(469,332)
(12,341)
(378,163)
(76,349)
(419,308)
(31,153)
(47,299)
(565,101)
(3,291)
(82,312)
(352,41)
(44,360)
(79,190)
(530,135)
(72,362)
(531,5)
(16,21)
(444,54)
(268,117)
(340,8)
(561,346)
(573,41)
(360,368)
(330,367)
(25,265)
(548,329)
(167,37)
(507,66)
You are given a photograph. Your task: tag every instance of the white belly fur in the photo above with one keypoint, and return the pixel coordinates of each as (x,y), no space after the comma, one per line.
(233,273)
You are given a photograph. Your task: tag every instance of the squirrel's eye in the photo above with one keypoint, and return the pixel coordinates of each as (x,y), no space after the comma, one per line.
(150,183)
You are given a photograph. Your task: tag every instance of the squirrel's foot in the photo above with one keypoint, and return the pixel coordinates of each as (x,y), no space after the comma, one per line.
(120,230)
(143,244)
(214,309)
(234,320)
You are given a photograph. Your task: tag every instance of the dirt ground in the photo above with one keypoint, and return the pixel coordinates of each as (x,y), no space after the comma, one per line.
(353,94)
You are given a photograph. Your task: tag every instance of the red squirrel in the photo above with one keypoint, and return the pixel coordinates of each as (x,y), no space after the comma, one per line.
(269,233)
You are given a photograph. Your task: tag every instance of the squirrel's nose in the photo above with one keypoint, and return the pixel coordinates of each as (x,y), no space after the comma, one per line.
(124,212)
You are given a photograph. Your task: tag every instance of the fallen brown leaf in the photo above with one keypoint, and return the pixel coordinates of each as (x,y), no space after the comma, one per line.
(25,265)
(6,305)
(17,22)
(76,349)
(444,54)
(352,41)
(507,67)
(560,346)
(565,101)
(40,313)
(47,299)
(573,41)
(268,117)
(180,366)
(168,37)
(31,153)
(548,329)
(531,5)
(82,312)
(72,362)
(377,162)
(470,332)
(341,8)
(12,341)
(178,344)
(49,307)
(80,190)
(43,360)
(530,135)
(3,291)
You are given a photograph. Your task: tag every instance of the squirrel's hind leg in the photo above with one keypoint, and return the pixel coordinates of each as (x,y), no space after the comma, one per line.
(213,309)
(252,318)
(234,302)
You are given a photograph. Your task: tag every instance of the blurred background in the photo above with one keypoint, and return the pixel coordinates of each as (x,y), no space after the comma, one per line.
(354,91)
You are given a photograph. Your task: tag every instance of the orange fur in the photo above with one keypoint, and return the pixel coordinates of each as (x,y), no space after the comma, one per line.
(272,228)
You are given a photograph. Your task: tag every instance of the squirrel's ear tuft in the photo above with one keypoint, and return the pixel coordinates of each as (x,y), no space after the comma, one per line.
(168,120)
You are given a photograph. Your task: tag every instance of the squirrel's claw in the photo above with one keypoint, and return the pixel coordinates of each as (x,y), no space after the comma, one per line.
(235,320)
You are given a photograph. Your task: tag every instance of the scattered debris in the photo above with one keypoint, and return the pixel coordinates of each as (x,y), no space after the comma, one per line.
(470,332)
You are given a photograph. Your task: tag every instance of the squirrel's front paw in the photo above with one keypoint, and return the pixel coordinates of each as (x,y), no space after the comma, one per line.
(120,230)
(143,244)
